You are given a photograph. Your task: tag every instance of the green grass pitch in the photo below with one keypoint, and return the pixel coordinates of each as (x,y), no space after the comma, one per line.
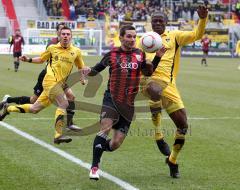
(208,161)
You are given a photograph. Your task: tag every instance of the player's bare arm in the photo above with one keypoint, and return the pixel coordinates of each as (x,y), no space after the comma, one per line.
(37,60)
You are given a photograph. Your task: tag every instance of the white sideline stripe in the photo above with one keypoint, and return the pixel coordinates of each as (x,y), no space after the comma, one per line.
(68,156)
(140,118)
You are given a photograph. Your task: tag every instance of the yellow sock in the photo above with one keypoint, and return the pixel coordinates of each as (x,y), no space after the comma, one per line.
(177,146)
(25,108)
(156,119)
(59,124)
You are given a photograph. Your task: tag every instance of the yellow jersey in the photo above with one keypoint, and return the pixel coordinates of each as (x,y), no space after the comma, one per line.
(168,67)
(238,48)
(61,61)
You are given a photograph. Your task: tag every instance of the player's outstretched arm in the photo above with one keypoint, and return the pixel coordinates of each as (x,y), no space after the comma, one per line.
(187,37)
(37,60)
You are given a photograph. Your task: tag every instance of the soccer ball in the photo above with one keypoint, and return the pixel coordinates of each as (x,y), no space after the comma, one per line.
(150,42)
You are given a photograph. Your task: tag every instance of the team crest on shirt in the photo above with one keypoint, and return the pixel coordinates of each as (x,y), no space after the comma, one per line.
(139,57)
(56,58)
(167,39)
(72,53)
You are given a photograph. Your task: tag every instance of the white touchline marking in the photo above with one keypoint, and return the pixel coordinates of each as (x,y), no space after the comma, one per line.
(138,118)
(68,156)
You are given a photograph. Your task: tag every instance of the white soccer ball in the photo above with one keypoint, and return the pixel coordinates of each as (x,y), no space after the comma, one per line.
(150,42)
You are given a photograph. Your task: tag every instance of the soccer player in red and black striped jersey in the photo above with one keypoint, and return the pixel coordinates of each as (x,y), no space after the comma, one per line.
(206,43)
(16,41)
(126,63)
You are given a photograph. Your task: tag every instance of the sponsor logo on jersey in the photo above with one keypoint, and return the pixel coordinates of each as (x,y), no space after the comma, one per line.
(130,65)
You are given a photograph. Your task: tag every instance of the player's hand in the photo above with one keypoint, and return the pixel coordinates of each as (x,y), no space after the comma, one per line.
(86,70)
(24,58)
(83,73)
(202,11)
(161,51)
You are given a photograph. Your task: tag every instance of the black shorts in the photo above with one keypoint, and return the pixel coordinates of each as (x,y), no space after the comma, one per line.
(38,88)
(17,54)
(121,114)
(205,52)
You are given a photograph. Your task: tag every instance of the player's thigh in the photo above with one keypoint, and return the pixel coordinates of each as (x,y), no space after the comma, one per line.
(69,94)
(152,88)
(50,91)
(55,93)
(171,98)
(122,125)
(205,54)
(36,107)
(43,99)
(61,101)
(109,115)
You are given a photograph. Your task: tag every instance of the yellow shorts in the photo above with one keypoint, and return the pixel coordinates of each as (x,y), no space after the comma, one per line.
(170,100)
(51,89)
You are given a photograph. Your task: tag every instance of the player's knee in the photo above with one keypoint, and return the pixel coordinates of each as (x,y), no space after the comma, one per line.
(154,91)
(33,99)
(34,110)
(183,129)
(71,97)
(64,105)
(106,122)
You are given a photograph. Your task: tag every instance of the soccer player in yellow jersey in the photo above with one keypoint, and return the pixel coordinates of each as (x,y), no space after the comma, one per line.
(62,58)
(162,84)
(237,51)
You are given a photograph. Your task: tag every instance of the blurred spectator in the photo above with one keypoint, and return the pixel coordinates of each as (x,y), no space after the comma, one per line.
(90,15)
(59,8)
(217,6)
(237,9)
(192,12)
(72,12)
(53,7)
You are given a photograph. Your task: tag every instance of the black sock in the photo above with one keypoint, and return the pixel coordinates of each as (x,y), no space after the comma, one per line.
(99,145)
(70,113)
(163,147)
(19,100)
(15,64)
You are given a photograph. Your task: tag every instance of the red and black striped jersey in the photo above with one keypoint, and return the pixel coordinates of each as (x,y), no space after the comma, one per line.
(125,69)
(205,44)
(17,42)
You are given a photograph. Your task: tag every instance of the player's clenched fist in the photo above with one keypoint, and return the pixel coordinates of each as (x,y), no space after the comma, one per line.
(24,58)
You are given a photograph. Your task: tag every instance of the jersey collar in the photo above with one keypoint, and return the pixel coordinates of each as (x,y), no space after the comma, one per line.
(59,45)
(165,33)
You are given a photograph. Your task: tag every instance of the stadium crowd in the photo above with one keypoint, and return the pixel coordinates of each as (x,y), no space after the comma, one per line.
(137,10)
